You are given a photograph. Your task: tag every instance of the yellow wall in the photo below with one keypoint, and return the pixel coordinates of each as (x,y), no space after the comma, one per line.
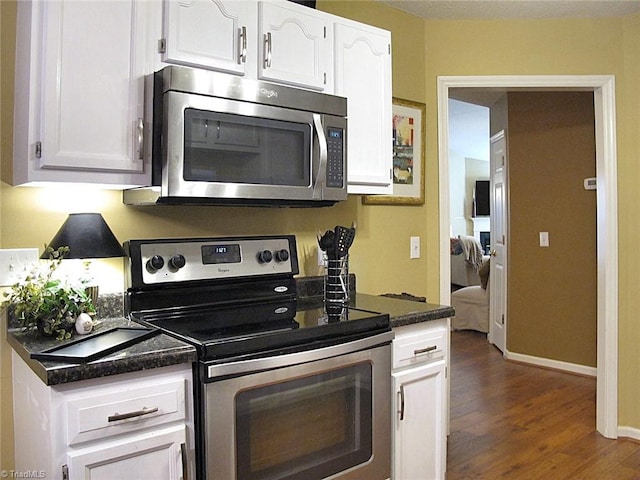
(422,51)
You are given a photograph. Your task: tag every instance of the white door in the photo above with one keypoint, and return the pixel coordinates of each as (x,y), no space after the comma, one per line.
(419,409)
(211,34)
(91,94)
(362,72)
(294,45)
(156,454)
(498,271)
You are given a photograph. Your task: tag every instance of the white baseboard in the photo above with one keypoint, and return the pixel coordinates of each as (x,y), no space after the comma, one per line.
(629,432)
(554,364)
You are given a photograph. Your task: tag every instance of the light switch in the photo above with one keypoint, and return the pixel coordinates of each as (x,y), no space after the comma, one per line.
(415,247)
(15,264)
(544,239)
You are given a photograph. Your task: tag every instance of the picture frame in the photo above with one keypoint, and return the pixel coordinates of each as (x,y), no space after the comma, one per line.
(409,138)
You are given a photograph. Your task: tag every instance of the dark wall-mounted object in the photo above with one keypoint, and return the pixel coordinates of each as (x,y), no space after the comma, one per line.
(306,3)
(481,199)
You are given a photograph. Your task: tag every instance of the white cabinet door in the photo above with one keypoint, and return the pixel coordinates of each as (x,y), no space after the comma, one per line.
(362,69)
(79,91)
(215,34)
(294,45)
(154,455)
(419,427)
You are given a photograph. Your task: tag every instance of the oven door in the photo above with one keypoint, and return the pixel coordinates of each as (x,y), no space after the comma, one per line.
(231,149)
(324,415)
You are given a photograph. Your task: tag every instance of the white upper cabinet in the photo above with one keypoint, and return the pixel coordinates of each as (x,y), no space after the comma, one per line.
(210,34)
(294,45)
(362,69)
(79,92)
(276,41)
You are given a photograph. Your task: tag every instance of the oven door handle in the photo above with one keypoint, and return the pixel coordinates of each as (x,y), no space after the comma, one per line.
(260,364)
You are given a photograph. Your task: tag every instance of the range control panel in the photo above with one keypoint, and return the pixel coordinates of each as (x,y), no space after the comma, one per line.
(154,262)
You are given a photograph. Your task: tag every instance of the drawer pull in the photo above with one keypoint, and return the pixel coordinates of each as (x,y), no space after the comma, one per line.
(425,350)
(138,413)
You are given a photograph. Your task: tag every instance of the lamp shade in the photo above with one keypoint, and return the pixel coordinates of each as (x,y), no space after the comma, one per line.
(88,236)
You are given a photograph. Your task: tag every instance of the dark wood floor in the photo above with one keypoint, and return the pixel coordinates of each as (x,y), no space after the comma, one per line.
(514,421)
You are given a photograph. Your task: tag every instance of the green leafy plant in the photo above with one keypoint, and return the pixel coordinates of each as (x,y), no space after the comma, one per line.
(51,305)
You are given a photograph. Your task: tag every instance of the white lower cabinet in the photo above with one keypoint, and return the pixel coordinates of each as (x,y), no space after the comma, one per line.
(420,401)
(135,425)
(154,455)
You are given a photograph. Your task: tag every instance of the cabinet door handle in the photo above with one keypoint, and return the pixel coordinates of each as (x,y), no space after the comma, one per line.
(140,131)
(267,50)
(138,413)
(185,461)
(242,55)
(401,395)
(425,350)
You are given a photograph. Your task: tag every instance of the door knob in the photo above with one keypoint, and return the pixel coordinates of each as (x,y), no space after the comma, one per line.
(493,253)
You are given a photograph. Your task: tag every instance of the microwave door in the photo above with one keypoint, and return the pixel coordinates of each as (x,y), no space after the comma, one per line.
(227,149)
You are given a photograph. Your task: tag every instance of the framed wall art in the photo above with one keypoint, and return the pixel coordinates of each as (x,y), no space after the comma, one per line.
(408,156)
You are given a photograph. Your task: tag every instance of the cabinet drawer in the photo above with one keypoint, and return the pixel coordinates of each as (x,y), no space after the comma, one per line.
(124,411)
(416,347)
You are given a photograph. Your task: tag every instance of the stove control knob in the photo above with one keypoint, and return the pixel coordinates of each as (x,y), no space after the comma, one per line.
(265,256)
(282,255)
(155,263)
(177,261)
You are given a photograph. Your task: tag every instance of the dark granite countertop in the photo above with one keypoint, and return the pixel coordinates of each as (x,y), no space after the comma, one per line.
(403,312)
(163,350)
(158,351)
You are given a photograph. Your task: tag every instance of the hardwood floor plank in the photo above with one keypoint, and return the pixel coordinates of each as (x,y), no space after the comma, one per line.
(515,421)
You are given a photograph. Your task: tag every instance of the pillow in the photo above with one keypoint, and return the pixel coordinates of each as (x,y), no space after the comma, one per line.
(456,247)
(484,274)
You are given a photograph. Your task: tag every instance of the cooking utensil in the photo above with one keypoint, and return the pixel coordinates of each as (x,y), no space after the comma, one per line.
(343,240)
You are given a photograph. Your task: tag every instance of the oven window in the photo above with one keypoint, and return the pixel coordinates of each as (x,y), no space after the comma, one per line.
(231,148)
(310,427)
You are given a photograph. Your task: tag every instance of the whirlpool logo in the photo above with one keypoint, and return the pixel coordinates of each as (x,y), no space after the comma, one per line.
(268,93)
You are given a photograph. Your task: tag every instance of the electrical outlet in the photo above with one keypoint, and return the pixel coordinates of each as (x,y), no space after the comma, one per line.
(415,247)
(15,264)
(544,239)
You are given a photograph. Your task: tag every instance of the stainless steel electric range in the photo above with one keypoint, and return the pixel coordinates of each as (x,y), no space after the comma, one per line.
(282,391)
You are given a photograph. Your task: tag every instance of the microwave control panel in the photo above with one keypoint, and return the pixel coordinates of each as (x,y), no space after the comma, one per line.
(335,157)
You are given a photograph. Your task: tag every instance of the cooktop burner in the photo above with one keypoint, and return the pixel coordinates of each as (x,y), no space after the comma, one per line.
(224,332)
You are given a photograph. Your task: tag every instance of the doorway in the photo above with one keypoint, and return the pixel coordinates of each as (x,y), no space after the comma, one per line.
(606,168)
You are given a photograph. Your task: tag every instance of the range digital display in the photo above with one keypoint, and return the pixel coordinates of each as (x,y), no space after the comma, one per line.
(216,254)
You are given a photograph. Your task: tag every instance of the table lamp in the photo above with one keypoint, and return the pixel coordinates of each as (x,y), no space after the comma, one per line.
(88,236)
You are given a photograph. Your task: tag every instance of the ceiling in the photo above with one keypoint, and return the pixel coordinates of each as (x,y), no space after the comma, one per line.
(494,9)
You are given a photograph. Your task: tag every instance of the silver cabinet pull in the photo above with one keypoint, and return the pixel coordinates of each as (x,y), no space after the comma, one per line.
(242,54)
(140,131)
(138,413)
(185,461)
(425,350)
(267,50)
(401,394)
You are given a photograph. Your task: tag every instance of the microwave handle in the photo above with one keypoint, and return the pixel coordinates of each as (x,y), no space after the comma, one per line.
(267,50)
(321,162)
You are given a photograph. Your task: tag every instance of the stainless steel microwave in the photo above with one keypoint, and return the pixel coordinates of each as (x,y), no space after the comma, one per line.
(218,139)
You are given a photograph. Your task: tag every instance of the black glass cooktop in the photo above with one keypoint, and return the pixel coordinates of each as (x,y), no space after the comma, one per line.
(233,330)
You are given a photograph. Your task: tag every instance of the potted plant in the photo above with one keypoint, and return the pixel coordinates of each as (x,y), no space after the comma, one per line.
(49,304)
